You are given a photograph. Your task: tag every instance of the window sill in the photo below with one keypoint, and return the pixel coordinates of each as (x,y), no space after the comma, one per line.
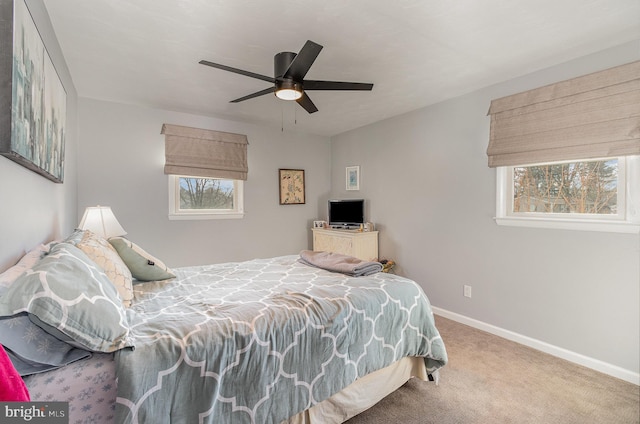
(568,224)
(202,216)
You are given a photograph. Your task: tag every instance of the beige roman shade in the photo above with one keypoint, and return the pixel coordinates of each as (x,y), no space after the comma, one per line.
(204,153)
(593,116)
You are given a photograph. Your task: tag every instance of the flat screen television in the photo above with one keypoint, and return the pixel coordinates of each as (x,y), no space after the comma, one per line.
(346,213)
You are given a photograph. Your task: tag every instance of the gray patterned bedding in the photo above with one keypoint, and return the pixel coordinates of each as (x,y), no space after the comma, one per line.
(259,341)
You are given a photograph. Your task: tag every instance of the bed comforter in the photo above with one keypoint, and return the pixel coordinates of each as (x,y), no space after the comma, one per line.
(259,341)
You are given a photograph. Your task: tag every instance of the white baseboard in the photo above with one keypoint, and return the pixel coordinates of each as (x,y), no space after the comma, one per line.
(595,364)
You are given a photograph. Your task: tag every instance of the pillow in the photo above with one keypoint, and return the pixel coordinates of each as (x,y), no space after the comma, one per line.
(32,350)
(102,253)
(26,262)
(69,292)
(12,388)
(142,265)
(75,237)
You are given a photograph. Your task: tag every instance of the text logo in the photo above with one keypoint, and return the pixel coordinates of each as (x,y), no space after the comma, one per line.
(34,412)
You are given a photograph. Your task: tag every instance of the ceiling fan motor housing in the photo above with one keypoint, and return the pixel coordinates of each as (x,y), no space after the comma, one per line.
(281,63)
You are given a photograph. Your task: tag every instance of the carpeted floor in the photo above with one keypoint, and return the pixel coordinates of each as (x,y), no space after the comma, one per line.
(493,380)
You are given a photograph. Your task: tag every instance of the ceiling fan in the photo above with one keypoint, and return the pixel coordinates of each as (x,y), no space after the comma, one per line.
(288,81)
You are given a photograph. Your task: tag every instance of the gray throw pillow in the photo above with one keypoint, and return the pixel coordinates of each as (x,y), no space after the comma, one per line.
(143,266)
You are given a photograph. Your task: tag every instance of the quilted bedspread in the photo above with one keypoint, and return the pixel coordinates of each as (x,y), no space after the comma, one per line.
(259,341)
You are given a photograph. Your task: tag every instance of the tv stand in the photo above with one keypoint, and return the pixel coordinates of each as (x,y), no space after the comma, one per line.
(359,244)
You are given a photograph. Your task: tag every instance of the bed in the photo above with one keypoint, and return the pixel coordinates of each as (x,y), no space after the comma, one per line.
(275,340)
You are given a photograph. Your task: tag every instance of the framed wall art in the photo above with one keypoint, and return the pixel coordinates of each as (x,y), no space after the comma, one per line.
(353,178)
(33,135)
(291,186)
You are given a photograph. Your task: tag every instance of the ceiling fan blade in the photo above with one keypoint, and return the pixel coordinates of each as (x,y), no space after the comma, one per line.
(256,94)
(306,103)
(237,71)
(303,61)
(336,85)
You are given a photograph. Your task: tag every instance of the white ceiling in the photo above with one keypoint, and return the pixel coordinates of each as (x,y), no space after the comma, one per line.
(146,52)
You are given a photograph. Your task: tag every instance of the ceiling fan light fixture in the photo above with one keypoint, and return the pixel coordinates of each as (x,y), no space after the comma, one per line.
(288,90)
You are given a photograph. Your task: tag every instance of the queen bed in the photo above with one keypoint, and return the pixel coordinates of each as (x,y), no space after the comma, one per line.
(274,340)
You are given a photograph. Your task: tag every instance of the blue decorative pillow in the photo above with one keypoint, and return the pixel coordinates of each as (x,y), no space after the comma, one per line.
(69,296)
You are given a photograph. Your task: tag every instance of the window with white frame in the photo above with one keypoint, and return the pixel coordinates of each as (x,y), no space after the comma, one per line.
(567,154)
(595,194)
(205,198)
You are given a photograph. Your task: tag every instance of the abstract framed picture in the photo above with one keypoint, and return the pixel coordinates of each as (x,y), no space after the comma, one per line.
(291,183)
(33,135)
(353,178)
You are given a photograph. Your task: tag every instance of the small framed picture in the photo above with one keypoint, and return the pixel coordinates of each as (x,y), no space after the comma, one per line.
(291,183)
(353,178)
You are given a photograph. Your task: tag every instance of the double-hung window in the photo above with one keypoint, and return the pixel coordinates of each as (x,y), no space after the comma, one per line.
(567,155)
(206,171)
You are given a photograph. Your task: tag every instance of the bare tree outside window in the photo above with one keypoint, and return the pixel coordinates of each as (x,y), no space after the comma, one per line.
(585,187)
(206,193)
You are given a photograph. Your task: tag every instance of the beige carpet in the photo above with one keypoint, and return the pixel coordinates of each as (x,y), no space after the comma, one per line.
(493,380)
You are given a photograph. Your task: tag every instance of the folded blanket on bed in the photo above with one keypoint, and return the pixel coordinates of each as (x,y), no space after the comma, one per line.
(336,262)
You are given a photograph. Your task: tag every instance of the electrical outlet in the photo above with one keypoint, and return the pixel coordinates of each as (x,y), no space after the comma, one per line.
(467,291)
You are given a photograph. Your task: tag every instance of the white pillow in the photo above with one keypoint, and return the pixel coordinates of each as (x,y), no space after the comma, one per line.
(106,257)
(27,261)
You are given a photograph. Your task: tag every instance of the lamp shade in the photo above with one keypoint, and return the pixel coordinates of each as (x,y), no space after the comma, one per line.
(102,221)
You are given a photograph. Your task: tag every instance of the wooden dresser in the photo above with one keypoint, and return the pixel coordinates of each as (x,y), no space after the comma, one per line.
(362,245)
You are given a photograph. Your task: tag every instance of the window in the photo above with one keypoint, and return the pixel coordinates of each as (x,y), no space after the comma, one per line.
(206,171)
(580,143)
(204,198)
(597,195)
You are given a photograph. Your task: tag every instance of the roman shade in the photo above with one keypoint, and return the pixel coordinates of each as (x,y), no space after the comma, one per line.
(593,116)
(204,153)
